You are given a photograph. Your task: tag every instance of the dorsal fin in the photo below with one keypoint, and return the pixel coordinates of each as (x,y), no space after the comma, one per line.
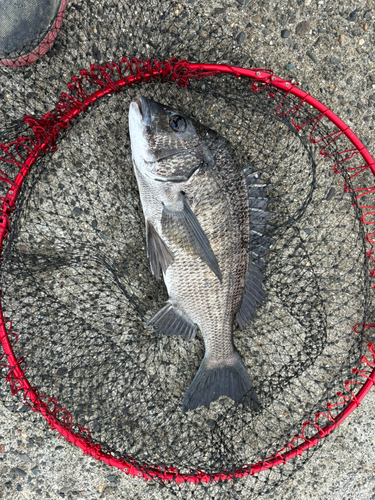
(258,245)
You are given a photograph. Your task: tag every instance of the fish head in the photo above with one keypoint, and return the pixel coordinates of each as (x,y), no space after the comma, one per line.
(165,143)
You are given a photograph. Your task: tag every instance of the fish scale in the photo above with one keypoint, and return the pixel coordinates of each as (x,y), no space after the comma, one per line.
(198,217)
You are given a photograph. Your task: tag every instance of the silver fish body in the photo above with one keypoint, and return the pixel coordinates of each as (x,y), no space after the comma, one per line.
(196,206)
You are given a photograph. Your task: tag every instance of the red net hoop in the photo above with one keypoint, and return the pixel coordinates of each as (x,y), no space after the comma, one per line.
(22,153)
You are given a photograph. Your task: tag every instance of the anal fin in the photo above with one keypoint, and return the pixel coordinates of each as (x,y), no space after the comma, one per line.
(171,322)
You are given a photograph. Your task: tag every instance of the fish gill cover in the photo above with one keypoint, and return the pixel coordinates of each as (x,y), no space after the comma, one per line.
(77,286)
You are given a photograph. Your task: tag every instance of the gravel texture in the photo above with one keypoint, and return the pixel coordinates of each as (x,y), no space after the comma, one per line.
(34,465)
(327,47)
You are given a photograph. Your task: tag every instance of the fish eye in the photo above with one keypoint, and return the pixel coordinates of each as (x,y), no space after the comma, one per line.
(177,123)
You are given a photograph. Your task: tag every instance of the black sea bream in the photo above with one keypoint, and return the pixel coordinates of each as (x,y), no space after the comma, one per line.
(199,229)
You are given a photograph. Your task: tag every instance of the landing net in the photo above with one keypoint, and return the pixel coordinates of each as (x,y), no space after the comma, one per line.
(77,289)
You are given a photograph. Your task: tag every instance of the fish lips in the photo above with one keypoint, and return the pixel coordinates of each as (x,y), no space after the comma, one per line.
(137,131)
(145,111)
(135,115)
(142,110)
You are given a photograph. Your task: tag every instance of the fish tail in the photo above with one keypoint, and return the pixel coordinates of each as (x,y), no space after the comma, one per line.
(213,380)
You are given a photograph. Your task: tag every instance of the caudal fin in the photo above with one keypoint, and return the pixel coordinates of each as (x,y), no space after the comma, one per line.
(210,383)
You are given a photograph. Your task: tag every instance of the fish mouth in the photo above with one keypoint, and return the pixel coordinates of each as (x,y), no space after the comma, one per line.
(145,111)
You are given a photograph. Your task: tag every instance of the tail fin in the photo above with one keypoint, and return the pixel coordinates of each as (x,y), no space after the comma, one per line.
(210,383)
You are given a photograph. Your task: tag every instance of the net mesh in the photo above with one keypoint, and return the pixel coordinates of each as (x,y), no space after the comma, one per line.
(76,282)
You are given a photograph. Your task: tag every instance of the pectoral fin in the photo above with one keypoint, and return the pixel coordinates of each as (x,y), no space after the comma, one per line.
(180,225)
(157,251)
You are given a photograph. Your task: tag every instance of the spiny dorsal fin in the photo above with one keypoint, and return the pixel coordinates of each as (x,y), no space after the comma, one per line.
(182,227)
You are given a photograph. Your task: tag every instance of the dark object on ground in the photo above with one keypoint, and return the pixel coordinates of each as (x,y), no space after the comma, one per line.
(28,29)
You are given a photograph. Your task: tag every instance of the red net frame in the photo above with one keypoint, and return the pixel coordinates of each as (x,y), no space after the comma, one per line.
(23,153)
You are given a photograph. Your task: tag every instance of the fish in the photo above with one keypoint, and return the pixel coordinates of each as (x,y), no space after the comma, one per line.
(204,218)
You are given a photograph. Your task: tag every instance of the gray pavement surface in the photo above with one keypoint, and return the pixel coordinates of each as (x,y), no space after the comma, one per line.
(329,47)
(35,465)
